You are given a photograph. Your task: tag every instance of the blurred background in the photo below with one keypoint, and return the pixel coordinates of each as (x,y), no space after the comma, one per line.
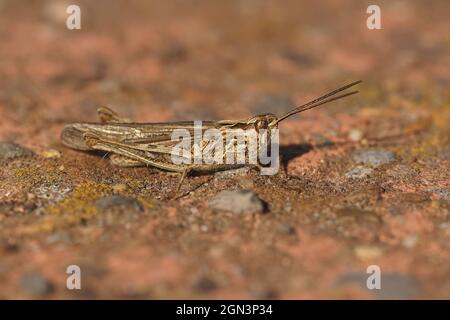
(210,60)
(184,60)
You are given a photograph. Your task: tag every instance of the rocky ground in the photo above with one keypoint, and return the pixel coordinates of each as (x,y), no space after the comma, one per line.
(366,180)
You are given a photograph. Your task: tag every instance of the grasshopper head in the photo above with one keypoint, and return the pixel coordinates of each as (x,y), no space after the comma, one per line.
(264,121)
(72,136)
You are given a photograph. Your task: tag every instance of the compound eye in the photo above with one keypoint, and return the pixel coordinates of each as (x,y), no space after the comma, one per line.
(262,124)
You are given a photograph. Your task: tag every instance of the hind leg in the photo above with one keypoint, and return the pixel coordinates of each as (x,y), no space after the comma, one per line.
(106,115)
(122,161)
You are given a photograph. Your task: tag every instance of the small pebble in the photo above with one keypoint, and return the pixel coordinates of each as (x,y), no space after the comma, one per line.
(373,157)
(12,150)
(286,228)
(241,201)
(51,154)
(444,225)
(109,202)
(233,173)
(59,237)
(204,285)
(31,196)
(35,284)
(174,52)
(400,171)
(355,135)
(264,294)
(194,210)
(52,191)
(368,252)
(442,193)
(358,172)
(410,242)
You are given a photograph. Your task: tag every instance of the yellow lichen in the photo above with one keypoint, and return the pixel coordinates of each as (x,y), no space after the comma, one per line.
(35,174)
(134,184)
(51,153)
(81,200)
(435,133)
(79,205)
(146,202)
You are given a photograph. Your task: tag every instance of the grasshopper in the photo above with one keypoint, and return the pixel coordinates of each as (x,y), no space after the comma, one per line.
(150,144)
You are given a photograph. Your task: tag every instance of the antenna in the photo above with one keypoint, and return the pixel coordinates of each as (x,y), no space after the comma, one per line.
(321,100)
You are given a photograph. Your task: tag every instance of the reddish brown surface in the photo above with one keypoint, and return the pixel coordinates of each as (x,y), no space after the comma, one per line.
(210,59)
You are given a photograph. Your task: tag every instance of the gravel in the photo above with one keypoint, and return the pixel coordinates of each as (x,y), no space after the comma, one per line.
(240,172)
(400,171)
(10,150)
(358,172)
(442,193)
(52,191)
(240,201)
(373,157)
(109,202)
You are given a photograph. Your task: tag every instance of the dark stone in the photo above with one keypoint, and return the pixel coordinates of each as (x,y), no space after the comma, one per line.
(174,52)
(35,284)
(287,229)
(373,157)
(298,57)
(204,285)
(10,150)
(238,201)
(109,202)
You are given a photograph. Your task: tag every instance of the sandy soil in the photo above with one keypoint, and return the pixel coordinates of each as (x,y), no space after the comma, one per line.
(334,210)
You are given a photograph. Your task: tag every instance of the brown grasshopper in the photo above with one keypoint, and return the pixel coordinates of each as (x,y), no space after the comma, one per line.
(150,144)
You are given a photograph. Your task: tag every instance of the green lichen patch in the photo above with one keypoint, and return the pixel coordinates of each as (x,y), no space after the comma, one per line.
(33,175)
(79,206)
(75,208)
